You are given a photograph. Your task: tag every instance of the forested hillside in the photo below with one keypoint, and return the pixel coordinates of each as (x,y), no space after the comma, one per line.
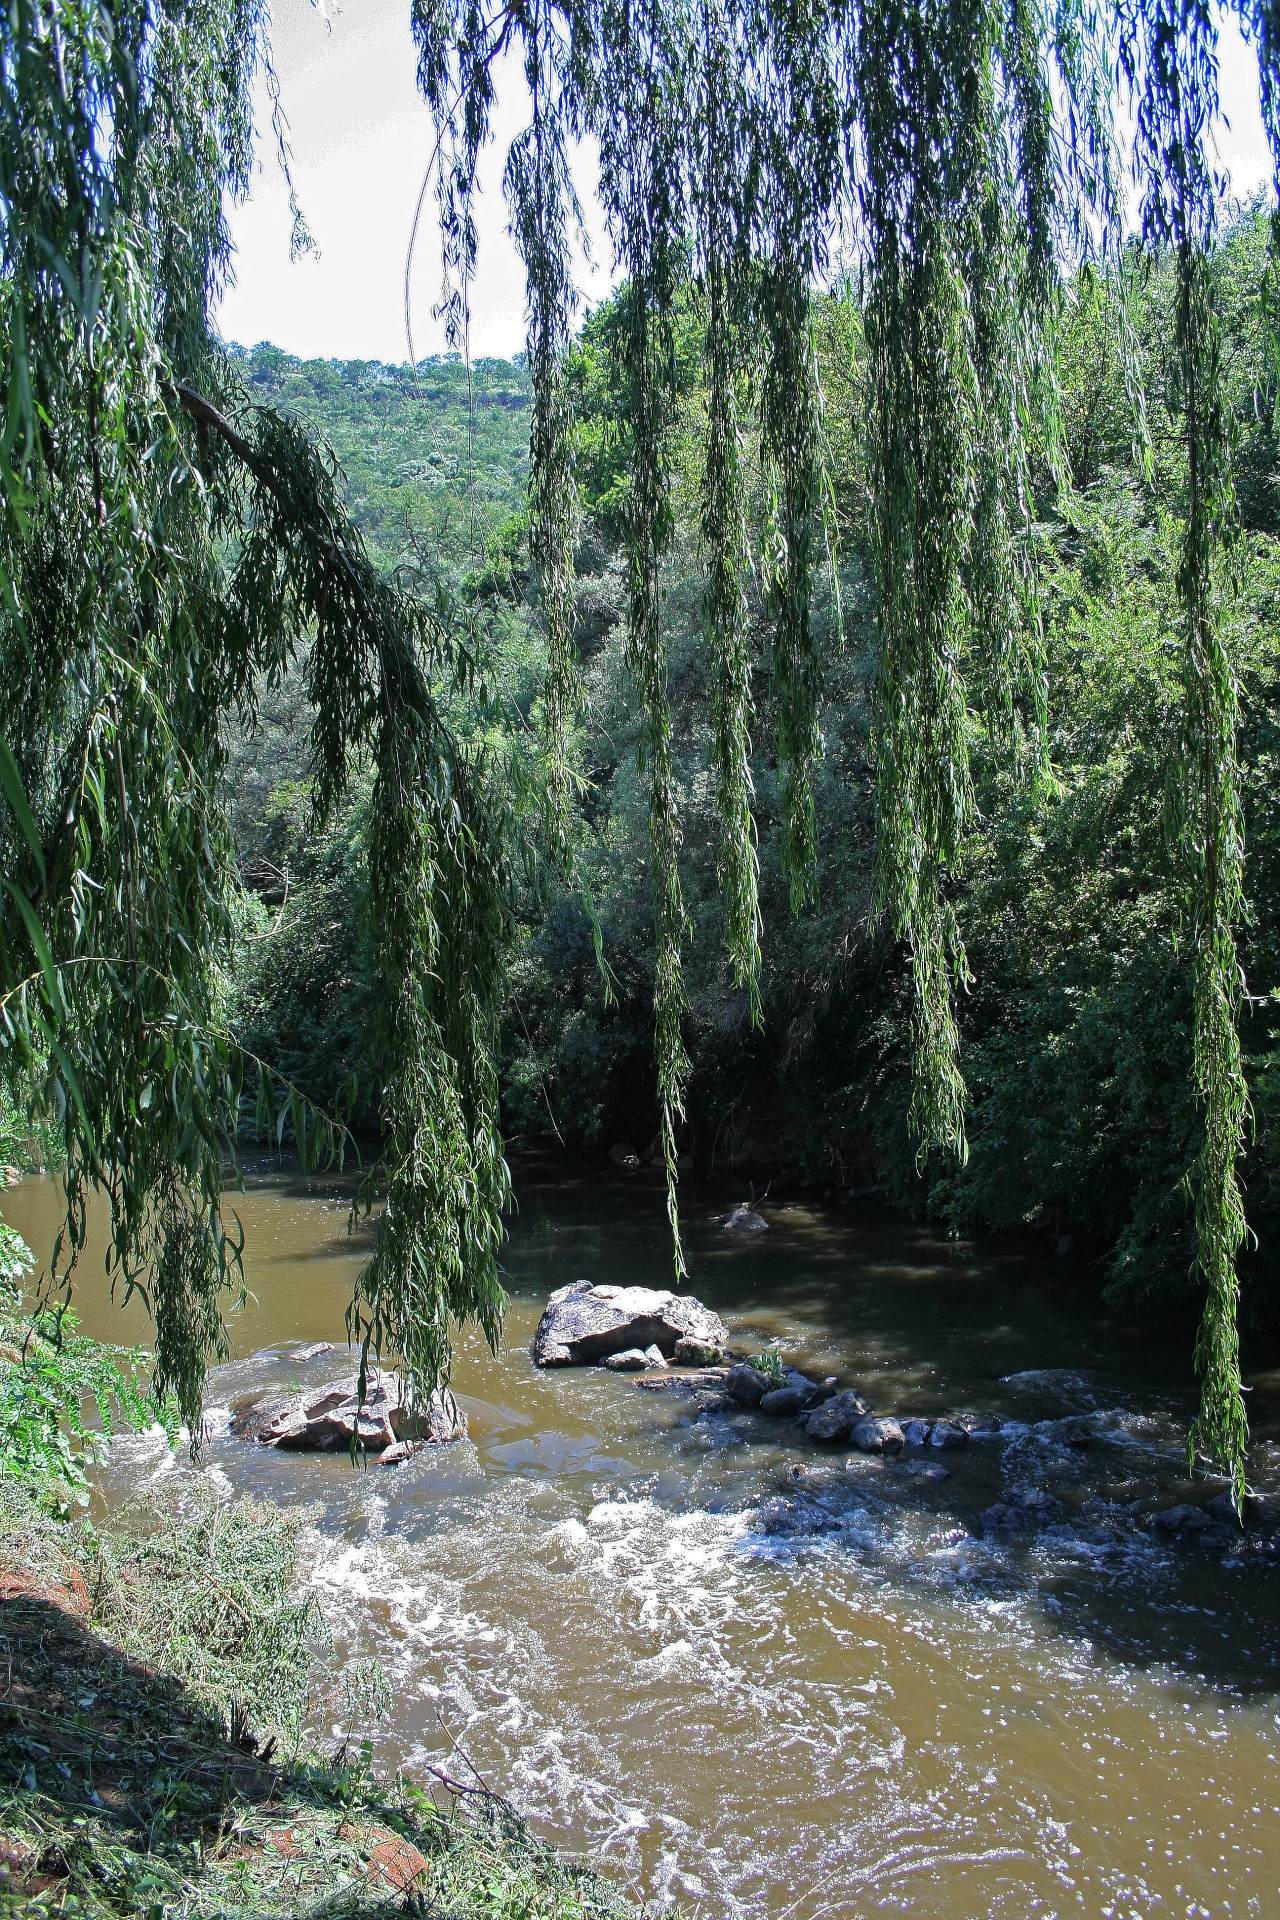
(1076,1023)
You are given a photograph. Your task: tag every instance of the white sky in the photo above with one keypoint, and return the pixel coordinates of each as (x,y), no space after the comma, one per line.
(361,139)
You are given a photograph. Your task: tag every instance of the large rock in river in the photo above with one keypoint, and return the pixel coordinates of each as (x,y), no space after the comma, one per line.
(327,1417)
(583,1325)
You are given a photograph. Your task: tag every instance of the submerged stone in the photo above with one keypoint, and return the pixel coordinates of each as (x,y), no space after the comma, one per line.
(1183,1519)
(1022,1510)
(745,1220)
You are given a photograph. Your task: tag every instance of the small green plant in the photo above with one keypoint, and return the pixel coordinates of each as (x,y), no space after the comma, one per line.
(769,1363)
(49,1373)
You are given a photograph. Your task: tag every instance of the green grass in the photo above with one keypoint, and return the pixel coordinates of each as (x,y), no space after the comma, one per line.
(160,1669)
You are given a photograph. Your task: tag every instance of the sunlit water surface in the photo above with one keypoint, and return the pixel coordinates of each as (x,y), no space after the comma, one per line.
(887,1713)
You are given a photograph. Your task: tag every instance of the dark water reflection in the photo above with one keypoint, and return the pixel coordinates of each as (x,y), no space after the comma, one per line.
(615,1597)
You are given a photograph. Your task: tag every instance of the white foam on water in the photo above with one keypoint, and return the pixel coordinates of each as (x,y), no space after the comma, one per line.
(725,1722)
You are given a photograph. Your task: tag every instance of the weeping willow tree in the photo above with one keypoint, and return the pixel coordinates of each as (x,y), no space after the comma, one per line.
(169,549)
(957,159)
(166,550)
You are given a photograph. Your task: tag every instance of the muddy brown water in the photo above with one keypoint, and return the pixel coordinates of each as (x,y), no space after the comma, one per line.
(609,1598)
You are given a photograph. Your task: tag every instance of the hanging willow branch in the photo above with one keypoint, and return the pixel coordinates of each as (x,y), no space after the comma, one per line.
(724,521)
(1170,63)
(966,151)
(540,191)
(167,550)
(156,568)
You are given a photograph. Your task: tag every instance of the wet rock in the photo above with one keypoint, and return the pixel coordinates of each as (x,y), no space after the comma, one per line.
(655,1357)
(790,1517)
(745,1220)
(878,1436)
(1255,1512)
(583,1324)
(622,1154)
(1022,1510)
(1182,1520)
(302,1355)
(926,1472)
(1076,1433)
(981,1426)
(630,1360)
(780,1401)
(947,1435)
(329,1417)
(693,1352)
(834,1419)
(916,1432)
(748,1385)
(864,1465)
(251,1416)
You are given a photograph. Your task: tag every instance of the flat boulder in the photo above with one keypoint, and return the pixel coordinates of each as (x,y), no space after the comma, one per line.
(583,1324)
(330,1417)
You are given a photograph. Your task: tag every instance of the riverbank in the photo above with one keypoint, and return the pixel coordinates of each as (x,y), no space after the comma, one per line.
(159,1672)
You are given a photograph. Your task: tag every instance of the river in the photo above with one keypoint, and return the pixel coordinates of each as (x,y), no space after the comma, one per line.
(611,1602)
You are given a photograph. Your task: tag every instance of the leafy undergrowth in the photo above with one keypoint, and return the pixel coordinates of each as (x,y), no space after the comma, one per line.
(153,1681)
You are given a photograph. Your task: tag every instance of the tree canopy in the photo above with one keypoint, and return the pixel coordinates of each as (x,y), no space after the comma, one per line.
(171,548)
(168,549)
(953,159)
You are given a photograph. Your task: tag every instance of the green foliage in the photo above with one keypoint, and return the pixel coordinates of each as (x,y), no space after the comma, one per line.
(158,1758)
(971,153)
(169,566)
(769,1363)
(48,1374)
(172,553)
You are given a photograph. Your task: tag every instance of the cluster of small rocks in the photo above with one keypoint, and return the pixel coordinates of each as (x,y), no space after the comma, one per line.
(836,1416)
(641,1330)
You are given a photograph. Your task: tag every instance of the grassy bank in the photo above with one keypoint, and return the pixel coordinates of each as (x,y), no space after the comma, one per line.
(156,1678)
